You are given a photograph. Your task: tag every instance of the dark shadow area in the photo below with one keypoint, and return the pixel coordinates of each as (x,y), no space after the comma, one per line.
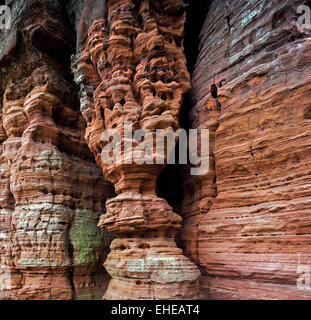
(168,186)
(170,180)
(196,14)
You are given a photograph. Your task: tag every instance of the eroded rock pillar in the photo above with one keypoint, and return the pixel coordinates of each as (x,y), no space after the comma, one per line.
(131,67)
(51,191)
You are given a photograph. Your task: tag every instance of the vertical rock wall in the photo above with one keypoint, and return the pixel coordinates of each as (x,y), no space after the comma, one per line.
(248,219)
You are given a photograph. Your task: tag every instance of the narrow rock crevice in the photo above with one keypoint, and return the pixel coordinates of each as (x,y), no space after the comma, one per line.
(70,252)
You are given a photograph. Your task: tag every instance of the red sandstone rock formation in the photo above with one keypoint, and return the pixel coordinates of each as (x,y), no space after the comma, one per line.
(131,67)
(51,192)
(247,220)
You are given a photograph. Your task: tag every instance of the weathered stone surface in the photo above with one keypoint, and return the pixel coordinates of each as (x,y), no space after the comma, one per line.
(51,192)
(130,66)
(247,220)
(245,223)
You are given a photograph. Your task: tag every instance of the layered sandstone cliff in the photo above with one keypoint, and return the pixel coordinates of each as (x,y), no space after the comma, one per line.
(247,220)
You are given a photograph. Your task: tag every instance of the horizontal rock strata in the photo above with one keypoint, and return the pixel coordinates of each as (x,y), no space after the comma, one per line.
(247,221)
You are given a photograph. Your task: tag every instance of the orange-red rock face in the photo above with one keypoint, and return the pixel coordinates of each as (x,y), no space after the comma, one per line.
(248,219)
(51,192)
(245,224)
(131,67)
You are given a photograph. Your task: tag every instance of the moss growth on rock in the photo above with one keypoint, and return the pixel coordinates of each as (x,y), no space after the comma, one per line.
(86,237)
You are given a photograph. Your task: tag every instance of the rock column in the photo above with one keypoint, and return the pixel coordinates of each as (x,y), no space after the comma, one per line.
(131,67)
